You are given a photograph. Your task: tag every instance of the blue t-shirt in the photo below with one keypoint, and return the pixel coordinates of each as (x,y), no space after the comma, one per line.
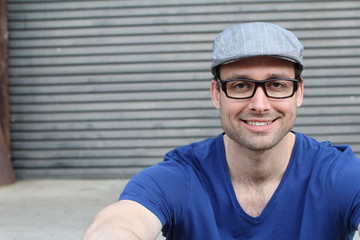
(192,194)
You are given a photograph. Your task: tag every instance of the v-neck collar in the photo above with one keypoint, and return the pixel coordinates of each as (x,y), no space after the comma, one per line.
(269,206)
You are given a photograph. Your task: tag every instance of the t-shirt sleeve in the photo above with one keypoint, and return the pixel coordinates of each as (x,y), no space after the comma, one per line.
(347,192)
(163,189)
(355,204)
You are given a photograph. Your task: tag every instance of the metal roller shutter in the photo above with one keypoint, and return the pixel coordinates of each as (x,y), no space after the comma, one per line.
(102,89)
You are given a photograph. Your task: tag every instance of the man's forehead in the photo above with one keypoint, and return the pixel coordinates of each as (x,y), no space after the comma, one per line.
(269,75)
(268,66)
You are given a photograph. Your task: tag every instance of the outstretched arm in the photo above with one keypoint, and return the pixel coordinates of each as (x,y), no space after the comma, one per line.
(124,220)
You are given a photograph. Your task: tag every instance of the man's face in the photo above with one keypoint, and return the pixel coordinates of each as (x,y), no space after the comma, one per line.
(258,123)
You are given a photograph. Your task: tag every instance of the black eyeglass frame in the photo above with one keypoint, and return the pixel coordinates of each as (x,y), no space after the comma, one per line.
(262,83)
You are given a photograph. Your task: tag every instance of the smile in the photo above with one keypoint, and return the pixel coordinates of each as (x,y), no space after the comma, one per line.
(258,123)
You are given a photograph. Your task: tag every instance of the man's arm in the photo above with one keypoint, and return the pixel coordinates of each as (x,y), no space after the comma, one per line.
(124,220)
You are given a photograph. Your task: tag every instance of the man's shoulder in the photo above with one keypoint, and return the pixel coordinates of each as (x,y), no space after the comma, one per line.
(323,159)
(309,145)
(328,161)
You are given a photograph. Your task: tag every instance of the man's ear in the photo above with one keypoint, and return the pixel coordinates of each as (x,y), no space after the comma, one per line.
(300,93)
(215,93)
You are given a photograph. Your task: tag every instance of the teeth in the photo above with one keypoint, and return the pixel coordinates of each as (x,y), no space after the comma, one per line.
(259,123)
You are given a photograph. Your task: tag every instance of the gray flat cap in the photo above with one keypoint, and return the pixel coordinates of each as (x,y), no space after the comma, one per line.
(256,39)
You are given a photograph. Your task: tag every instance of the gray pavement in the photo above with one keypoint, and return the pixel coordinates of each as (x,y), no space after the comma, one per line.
(54,209)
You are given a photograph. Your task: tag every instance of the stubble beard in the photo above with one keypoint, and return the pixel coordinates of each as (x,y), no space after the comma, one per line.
(257,142)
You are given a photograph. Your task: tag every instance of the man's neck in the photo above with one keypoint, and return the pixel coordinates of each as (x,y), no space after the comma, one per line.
(255,175)
(258,166)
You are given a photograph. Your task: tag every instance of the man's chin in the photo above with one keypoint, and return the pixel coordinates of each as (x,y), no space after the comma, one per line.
(255,142)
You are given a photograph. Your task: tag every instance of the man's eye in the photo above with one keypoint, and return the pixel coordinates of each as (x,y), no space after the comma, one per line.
(240,85)
(277,84)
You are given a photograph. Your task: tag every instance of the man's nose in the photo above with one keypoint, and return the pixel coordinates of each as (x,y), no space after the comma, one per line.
(259,102)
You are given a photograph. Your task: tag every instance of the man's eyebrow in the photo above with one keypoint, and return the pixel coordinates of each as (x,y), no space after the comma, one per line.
(279,75)
(238,76)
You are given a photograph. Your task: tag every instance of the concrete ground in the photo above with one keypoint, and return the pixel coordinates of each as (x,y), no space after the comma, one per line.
(54,209)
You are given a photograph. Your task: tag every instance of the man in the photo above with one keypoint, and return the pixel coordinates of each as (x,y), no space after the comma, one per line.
(257,180)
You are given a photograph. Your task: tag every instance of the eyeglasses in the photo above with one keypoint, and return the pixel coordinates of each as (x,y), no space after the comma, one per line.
(246,88)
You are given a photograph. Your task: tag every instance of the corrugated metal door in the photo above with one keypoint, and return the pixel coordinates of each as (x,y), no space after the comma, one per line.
(102,89)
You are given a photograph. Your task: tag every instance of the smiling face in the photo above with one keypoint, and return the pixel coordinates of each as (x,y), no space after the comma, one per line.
(258,123)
